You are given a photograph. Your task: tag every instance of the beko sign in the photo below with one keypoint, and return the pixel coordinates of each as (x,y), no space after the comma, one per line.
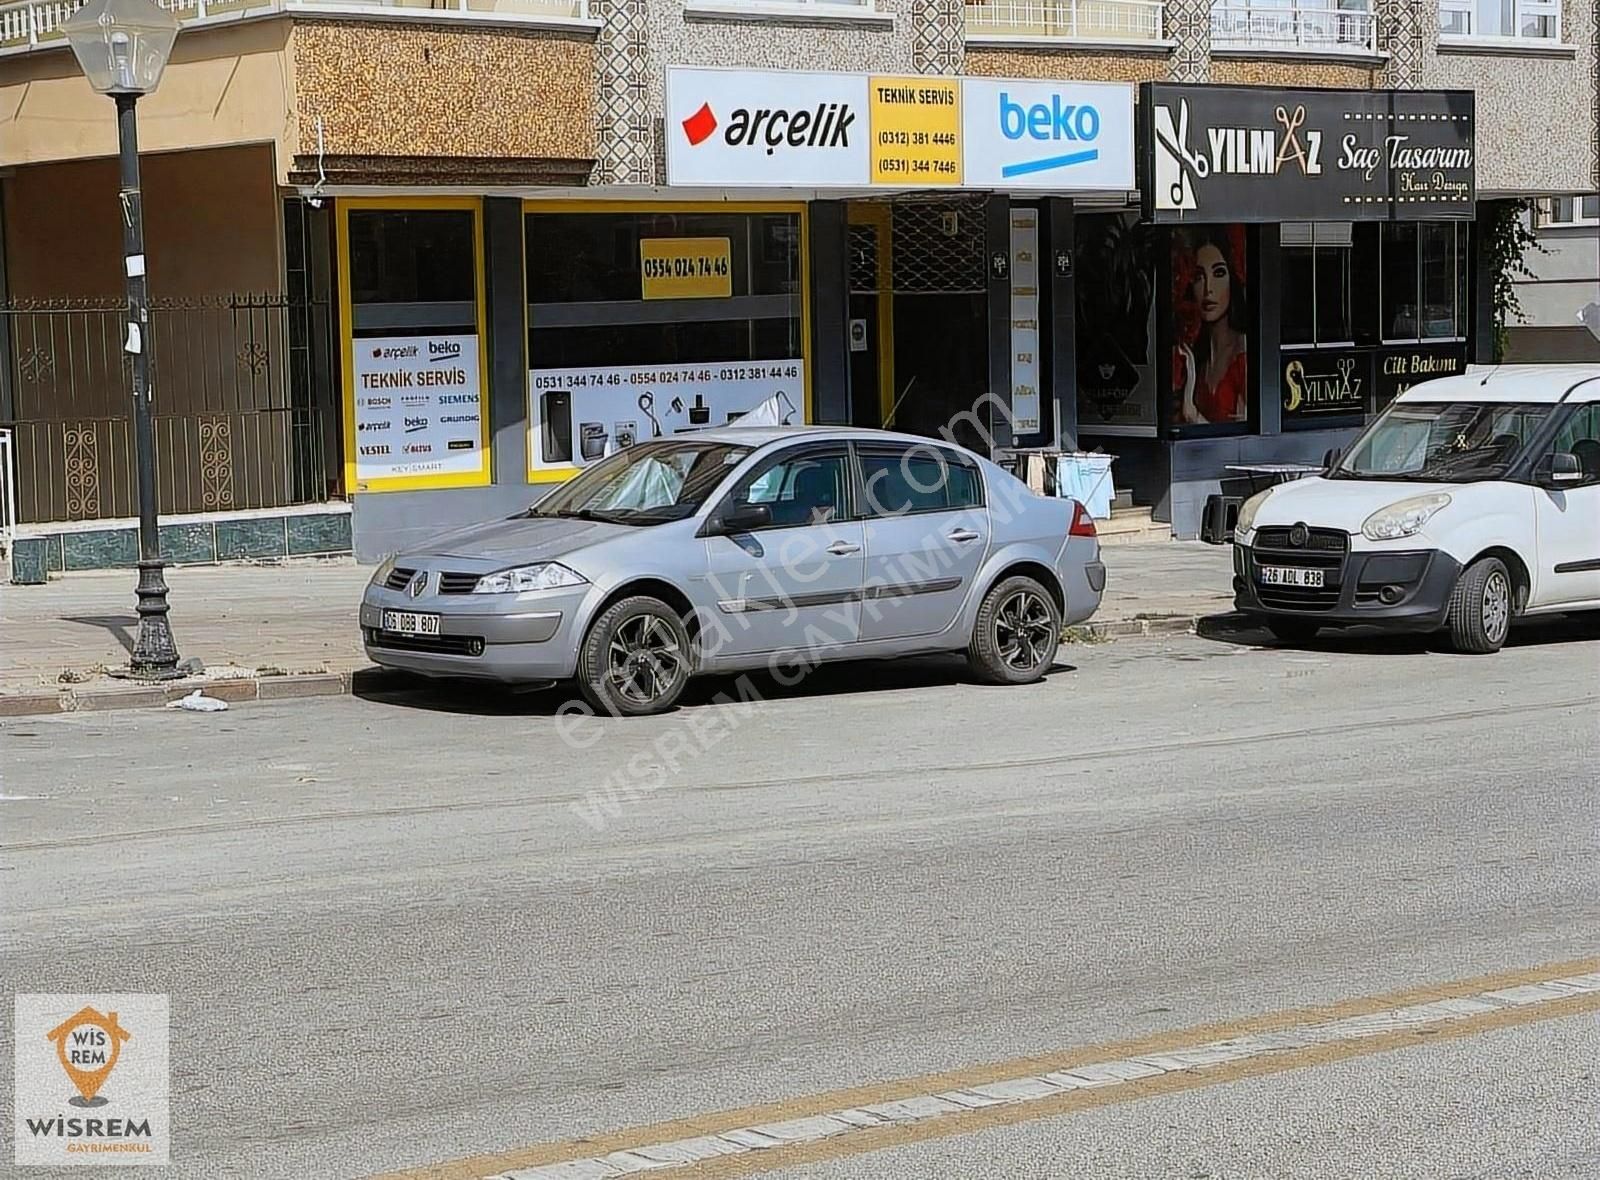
(1047,135)
(812,130)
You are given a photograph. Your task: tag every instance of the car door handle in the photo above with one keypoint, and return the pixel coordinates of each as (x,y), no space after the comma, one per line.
(963,535)
(843,548)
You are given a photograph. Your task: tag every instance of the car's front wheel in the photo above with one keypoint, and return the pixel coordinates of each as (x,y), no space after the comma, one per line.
(1481,606)
(635,659)
(1018,630)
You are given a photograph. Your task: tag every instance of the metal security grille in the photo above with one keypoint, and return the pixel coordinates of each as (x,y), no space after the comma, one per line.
(939,246)
(863,258)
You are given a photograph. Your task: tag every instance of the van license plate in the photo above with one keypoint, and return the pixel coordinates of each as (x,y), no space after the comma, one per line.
(1279,575)
(405,622)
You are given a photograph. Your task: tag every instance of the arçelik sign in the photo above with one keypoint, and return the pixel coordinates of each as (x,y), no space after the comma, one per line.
(760,128)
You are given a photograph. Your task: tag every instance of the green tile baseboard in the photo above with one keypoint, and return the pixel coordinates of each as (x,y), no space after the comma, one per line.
(201,542)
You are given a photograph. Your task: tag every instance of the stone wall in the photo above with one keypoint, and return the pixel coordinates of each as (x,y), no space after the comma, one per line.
(441,103)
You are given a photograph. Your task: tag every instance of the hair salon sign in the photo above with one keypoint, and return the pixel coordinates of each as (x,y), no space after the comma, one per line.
(1236,153)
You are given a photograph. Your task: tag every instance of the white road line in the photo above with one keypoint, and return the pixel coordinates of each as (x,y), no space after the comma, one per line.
(1010,1091)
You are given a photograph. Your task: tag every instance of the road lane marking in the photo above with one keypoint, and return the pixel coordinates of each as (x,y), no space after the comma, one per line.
(850,1122)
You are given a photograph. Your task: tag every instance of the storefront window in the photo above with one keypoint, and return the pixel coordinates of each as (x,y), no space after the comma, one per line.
(415,414)
(1316,284)
(422,258)
(1424,269)
(644,323)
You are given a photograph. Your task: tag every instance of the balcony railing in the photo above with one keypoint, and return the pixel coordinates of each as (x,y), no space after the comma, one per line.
(29,24)
(1067,20)
(1349,28)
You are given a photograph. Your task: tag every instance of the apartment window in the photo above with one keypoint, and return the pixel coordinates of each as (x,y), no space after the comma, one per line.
(1423,281)
(1538,20)
(1316,284)
(1560,212)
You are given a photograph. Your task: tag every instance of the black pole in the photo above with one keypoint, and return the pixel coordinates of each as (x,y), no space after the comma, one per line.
(155,656)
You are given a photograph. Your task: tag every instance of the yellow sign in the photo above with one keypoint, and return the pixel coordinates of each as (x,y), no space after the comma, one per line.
(916,130)
(685,268)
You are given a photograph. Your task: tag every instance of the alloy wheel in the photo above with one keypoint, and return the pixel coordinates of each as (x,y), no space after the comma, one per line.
(1022,628)
(643,660)
(1496,607)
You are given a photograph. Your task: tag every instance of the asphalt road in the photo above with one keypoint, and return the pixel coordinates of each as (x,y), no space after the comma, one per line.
(404,930)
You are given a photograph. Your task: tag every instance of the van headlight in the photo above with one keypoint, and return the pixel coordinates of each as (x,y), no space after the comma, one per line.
(546,575)
(1248,510)
(1404,518)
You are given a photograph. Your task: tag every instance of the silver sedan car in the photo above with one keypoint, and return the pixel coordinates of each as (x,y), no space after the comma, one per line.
(741,548)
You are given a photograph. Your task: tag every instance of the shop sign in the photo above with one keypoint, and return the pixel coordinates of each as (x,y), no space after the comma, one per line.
(766,127)
(578,416)
(916,130)
(813,130)
(1320,384)
(1401,368)
(685,268)
(418,407)
(1237,153)
(1047,135)
(1025,321)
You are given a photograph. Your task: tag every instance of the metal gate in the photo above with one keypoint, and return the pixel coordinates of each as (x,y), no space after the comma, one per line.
(243,417)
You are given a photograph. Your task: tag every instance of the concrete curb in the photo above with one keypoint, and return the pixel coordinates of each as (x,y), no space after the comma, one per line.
(99,698)
(75,699)
(1134,628)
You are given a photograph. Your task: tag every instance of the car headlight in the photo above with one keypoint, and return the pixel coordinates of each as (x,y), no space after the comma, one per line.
(546,575)
(381,574)
(1248,510)
(1402,518)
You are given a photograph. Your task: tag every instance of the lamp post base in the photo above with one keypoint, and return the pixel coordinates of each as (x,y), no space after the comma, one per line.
(155,655)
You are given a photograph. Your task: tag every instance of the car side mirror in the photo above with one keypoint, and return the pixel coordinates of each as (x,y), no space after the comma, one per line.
(1331,460)
(1559,469)
(742,518)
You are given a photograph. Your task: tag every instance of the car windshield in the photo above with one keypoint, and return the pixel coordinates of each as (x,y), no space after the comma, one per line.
(1447,442)
(646,484)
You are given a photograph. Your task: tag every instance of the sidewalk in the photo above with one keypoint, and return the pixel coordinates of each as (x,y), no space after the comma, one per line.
(290,629)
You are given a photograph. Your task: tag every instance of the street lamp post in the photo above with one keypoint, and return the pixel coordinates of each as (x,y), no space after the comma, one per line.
(122,47)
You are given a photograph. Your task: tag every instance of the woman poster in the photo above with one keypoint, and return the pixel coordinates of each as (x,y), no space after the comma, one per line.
(1211,354)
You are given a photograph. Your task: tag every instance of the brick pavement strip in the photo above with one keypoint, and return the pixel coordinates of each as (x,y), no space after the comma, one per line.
(290,628)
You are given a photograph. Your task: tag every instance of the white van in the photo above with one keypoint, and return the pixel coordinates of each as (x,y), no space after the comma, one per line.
(1470,502)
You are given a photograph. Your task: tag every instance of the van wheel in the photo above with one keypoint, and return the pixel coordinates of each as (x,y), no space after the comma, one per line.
(1479,617)
(635,659)
(1293,630)
(1018,630)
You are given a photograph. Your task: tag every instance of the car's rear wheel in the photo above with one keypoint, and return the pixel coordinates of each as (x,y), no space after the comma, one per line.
(1292,630)
(1018,630)
(1481,606)
(635,659)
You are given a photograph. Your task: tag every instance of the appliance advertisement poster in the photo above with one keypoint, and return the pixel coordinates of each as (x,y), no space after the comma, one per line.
(418,408)
(578,416)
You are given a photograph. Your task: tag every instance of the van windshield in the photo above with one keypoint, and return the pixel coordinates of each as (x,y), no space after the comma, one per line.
(1446,442)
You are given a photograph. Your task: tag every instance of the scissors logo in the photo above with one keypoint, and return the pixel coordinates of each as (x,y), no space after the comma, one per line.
(1308,154)
(1177,165)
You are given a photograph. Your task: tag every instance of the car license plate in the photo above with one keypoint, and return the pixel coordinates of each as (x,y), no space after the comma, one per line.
(405,622)
(1280,575)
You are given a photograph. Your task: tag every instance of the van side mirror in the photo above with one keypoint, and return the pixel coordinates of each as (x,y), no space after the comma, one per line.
(1331,459)
(742,518)
(1558,469)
